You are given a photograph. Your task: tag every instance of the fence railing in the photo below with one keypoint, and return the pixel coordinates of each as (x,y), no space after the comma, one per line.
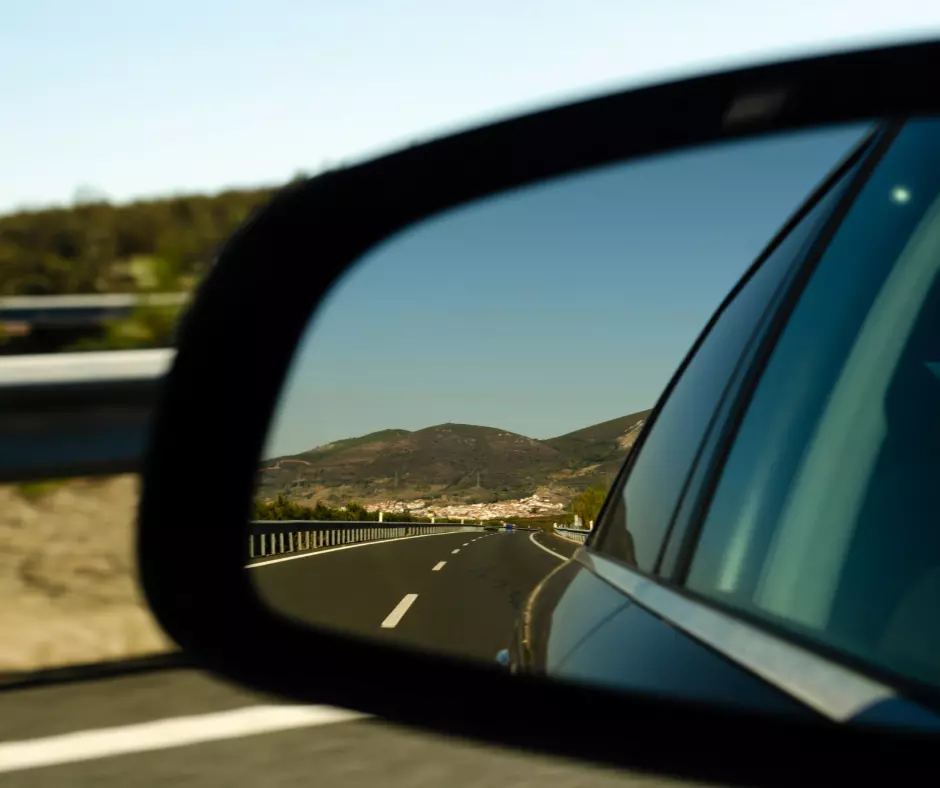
(574,534)
(277,537)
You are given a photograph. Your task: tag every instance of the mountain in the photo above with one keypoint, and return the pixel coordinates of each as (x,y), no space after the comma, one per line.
(452,462)
(602,442)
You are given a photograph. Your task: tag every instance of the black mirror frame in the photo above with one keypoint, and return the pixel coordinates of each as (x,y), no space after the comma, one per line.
(236,348)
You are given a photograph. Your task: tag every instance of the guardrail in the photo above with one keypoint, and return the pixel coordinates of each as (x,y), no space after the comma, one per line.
(74,414)
(80,310)
(277,537)
(574,534)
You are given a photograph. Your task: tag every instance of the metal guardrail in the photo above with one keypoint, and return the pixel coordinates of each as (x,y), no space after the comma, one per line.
(80,310)
(73,414)
(55,370)
(277,537)
(574,534)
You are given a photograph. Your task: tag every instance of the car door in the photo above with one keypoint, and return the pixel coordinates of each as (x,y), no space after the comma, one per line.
(583,623)
(818,532)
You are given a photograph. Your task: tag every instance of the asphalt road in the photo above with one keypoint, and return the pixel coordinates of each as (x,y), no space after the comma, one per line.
(456,593)
(181,727)
(356,753)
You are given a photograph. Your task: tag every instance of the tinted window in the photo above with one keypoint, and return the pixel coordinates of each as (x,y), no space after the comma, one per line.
(825,520)
(638,522)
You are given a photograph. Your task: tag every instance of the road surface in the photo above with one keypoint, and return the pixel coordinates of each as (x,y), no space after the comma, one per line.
(185,728)
(457,593)
(118,732)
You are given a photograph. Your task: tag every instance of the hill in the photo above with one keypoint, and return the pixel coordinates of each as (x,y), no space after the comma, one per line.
(460,463)
(600,442)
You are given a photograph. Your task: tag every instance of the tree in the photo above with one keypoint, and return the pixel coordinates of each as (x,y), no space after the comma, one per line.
(587,505)
(86,194)
(357,511)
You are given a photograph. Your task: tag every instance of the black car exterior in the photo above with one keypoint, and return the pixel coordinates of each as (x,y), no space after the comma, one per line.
(772,540)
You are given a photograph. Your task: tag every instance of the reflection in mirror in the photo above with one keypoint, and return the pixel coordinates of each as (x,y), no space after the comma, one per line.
(466,396)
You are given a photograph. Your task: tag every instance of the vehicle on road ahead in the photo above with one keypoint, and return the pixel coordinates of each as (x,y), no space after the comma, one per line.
(770,561)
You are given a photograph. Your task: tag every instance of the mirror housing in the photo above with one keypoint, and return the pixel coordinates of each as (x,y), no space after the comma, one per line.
(237,346)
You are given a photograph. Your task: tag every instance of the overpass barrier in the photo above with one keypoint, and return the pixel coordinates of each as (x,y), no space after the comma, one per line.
(278,537)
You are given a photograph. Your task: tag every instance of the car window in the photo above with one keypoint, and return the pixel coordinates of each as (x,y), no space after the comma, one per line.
(637,523)
(824,521)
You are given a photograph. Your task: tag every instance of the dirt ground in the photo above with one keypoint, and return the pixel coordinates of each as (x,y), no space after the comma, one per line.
(68,591)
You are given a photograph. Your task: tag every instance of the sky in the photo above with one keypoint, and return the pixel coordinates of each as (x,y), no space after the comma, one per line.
(137,99)
(548,308)
(151,98)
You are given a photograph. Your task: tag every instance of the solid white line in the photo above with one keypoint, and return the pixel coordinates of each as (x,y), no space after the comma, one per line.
(543,547)
(342,547)
(163,734)
(398,613)
(438,566)
(454,552)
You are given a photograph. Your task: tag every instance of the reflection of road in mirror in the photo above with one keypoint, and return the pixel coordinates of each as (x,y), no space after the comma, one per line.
(457,593)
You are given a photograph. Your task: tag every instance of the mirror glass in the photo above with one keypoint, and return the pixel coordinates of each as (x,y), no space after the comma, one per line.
(465,398)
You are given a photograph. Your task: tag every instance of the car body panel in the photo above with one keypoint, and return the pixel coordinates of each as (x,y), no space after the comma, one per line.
(579,627)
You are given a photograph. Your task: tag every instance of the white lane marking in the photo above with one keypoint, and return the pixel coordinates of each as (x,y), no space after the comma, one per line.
(454,552)
(438,566)
(543,547)
(465,544)
(164,734)
(342,547)
(398,613)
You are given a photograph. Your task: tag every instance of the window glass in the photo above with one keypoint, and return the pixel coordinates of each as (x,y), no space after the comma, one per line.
(825,520)
(638,522)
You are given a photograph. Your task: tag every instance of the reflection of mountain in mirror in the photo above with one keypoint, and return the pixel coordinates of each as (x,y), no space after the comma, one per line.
(454,470)
(429,464)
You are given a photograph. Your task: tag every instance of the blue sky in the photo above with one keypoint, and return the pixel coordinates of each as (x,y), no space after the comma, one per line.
(147,99)
(549,308)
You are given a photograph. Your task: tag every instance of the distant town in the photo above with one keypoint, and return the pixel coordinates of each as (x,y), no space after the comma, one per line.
(533,506)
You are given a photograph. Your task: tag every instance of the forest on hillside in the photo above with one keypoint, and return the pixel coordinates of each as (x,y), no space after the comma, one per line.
(94,246)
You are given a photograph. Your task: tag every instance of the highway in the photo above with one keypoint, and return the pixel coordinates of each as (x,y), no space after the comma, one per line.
(457,593)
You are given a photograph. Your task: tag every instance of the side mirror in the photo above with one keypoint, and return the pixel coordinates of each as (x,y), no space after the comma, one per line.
(425,450)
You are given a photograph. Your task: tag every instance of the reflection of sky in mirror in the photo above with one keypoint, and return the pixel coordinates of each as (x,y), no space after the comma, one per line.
(551,308)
